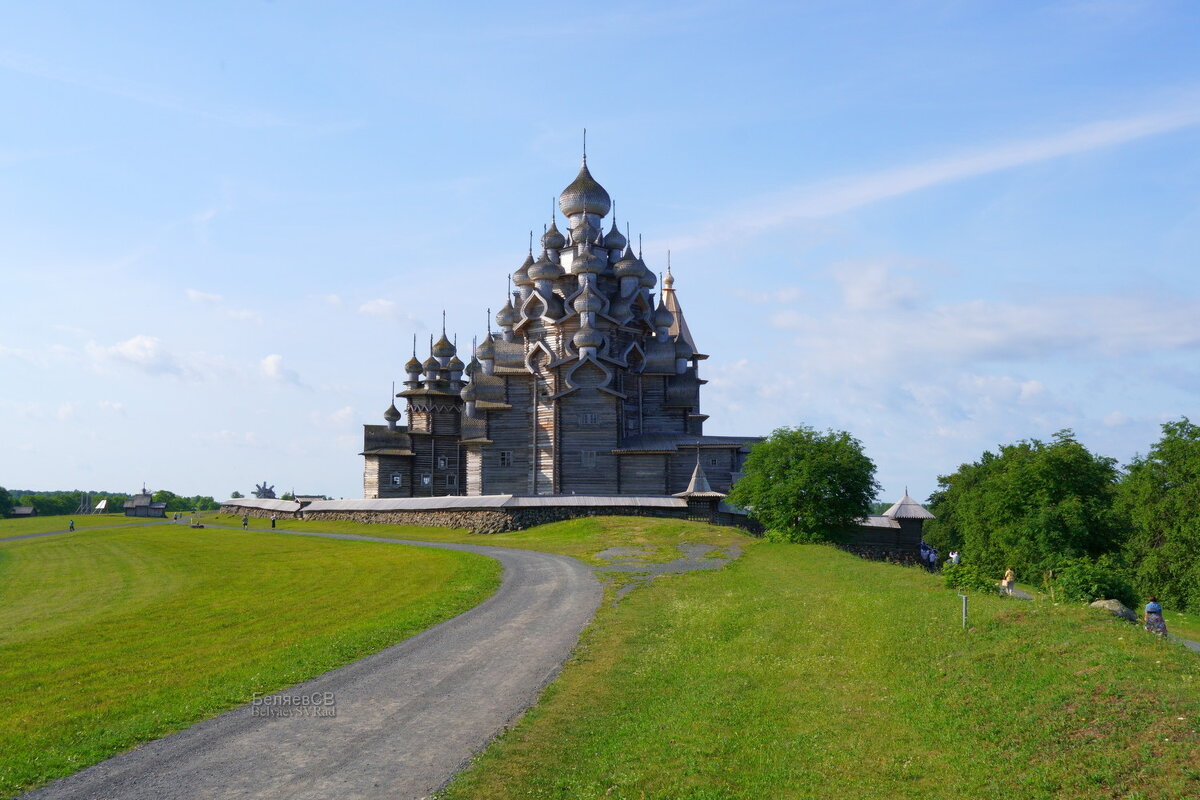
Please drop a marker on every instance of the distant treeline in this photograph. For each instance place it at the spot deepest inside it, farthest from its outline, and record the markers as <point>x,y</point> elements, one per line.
<point>68,502</point>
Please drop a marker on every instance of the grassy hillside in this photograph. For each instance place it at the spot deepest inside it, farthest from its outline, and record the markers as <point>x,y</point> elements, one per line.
<point>21,527</point>
<point>110,638</point>
<point>802,672</point>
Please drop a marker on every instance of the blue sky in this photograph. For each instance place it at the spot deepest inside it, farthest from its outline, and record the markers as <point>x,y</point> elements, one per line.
<point>941,226</point>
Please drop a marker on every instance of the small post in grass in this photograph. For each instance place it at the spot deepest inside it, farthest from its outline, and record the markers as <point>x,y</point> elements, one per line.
<point>964,599</point>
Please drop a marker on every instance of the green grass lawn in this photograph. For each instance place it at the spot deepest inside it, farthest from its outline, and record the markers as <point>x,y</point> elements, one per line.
<point>803,672</point>
<point>111,638</point>
<point>20,527</point>
<point>581,538</point>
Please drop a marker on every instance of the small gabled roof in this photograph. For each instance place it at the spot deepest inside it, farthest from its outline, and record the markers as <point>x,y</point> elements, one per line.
<point>907,508</point>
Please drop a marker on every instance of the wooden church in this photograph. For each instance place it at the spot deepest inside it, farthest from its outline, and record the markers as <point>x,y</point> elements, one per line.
<point>591,386</point>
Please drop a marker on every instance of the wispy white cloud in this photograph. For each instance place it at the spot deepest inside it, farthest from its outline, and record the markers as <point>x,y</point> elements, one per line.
<point>197,296</point>
<point>827,199</point>
<point>145,353</point>
<point>272,368</point>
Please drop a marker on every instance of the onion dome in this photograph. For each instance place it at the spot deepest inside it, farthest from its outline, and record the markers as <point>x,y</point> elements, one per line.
<point>505,317</point>
<point>486,350</point>
<point>584,231</point>
<point>552,239</point>
<point>474,368</point>
<point>683,349</point>
<point>648,279</point>
<point>392,413</point>
<point>521,276</point>
<point>589,301</point>
<point>615,240</point>
<point>586,262</point>
<point>588,337</point>
<point>442,347</point>
<point>668,279</point>
<point>544,269</point>
<point>413,366</point>
<point>662,316</point>
<point>468,393</point>
<point>584,195</point>
<point>628,266</point>
<point>431,366</point>
<point>455,364</point>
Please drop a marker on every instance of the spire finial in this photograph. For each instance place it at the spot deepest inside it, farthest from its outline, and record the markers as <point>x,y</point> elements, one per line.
<point>639,245</point>
<point>443,323</point>
<point>585,145</point>
<point>414,345</point>
<point>475,343</point>
<point>489,321</point>
<point>531,243</point>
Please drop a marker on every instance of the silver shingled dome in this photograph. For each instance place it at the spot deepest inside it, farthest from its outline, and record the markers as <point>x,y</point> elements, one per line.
<point>584,195</point>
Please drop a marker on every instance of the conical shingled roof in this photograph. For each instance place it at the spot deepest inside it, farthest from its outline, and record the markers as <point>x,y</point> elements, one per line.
<point>699,485</point>
<point>907,508</point>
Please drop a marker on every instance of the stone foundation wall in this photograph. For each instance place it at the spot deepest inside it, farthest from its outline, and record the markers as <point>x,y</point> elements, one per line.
<point>264,513</point>
<point>893,555</point>
<point>492,520</point>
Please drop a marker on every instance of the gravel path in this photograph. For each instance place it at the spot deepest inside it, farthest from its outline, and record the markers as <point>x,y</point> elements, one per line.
<point>407,718</point>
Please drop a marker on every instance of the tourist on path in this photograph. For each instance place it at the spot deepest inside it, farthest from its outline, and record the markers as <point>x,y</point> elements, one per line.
<point>71,526</point>
<point>1154,618</point>
<point>272,520</point>
<point>245,521</point>
<point>1010,578</point>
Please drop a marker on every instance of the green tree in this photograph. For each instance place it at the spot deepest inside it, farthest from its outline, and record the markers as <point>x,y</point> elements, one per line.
<point>6,503</point>
<point>235,494</point>
<point>1032,506</point>
<point>1160,494</point>
<point>806,486</point>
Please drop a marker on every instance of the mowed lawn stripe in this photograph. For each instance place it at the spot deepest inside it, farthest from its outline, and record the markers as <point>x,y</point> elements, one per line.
<point>803,672</point>
<point>111,638</point>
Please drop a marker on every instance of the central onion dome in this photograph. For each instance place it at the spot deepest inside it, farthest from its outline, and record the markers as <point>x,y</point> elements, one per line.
<point>442,348</point>
<point>584,195</point>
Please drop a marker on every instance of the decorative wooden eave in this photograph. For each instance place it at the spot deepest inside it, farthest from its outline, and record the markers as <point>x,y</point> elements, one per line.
<point>386,451</point>
<point>476,442</point>
<point>488,405</point>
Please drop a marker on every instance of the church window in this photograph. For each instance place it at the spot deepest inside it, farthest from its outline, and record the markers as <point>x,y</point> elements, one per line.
<point>589,418</point>
<point>588,458</point>
<point>452,480</point>
<point>397,480</point>
<point>441,462</point>
<point>712,461</point>
<point>426,479</point>
<point>506,458</point>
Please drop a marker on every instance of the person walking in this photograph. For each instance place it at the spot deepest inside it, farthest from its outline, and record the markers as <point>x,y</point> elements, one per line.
<point>245,521</point>
<point>1153,617</point>
<point>1006,585</point>
<point>71,525</point>
<point>272,522</point>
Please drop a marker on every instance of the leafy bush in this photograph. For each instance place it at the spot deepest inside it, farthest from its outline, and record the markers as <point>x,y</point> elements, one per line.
<point>1085,580</point>
<point>968,578</point>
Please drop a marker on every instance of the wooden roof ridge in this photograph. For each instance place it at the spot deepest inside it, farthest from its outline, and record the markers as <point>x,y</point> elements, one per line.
<point>907,508</point>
